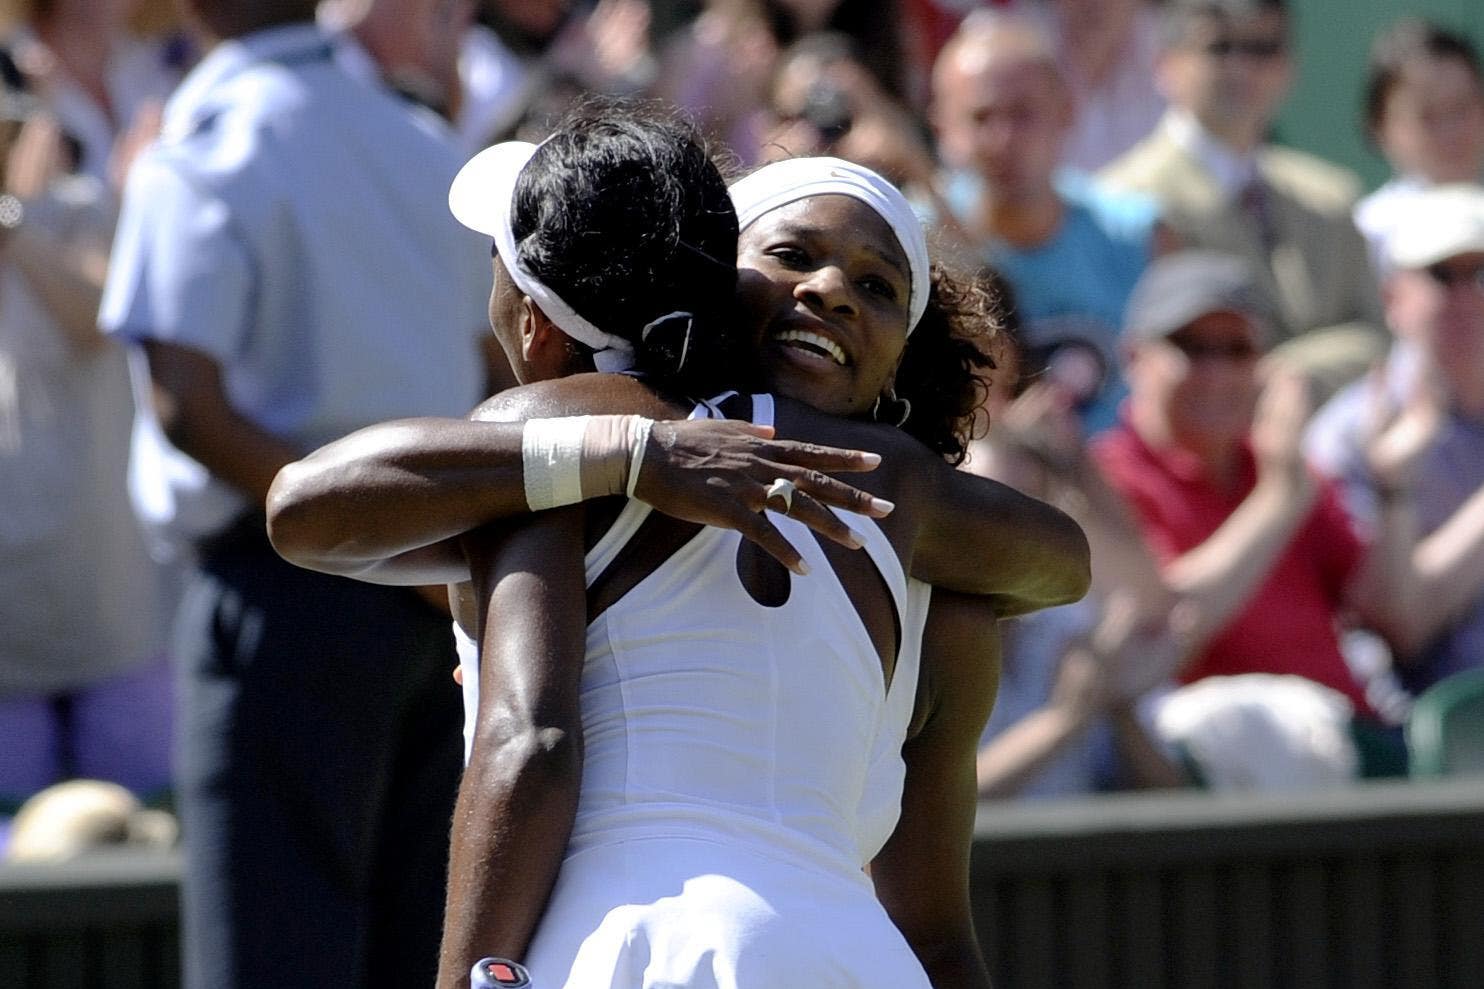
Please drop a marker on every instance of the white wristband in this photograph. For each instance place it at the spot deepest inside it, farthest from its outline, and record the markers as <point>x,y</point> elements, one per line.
<point>551,460</point>
<point>642,426</point>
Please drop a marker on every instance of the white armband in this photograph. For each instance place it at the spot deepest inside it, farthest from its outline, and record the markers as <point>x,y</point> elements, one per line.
<point>567,460</point>
<point>636,460</point>
<point>551,461</point>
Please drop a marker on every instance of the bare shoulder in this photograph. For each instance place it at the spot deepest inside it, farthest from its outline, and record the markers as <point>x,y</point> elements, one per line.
<point>909,473</point>
<point>580,394</point>
<point>798,421</point>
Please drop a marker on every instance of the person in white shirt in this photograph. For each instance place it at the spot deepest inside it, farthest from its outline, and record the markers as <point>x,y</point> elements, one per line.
<point>1424,111</point>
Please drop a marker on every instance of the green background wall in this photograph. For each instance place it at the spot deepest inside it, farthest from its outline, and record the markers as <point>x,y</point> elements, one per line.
<point>1323,113</point>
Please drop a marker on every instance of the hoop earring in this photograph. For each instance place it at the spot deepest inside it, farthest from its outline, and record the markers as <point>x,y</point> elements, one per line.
<point>893,402</point>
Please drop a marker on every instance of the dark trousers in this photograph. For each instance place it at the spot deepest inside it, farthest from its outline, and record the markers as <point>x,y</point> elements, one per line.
<point>319,757</point>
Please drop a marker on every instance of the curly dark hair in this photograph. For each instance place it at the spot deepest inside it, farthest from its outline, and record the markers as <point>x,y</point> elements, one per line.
<point>622,213</point>
<point>943,368</point>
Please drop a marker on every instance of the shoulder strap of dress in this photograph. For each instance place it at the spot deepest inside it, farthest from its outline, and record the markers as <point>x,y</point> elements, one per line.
<point>883,556</point>
<point>764,412</point>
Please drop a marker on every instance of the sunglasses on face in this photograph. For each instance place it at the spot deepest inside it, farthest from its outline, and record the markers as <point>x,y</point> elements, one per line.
<point>1450,278</point>
<point>1236,351</point>
<point>1260,49</point>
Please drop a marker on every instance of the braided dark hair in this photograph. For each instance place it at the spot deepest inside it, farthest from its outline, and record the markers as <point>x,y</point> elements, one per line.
<point>622,213</point>
<point>943,368</point>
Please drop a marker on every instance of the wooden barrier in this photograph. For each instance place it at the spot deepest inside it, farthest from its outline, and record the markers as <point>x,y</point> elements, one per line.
<point>110,919</point>
<point>1376,887</point>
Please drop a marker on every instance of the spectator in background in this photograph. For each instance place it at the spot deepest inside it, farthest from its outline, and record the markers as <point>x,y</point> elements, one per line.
<point>874,25</point>
<point>275,286</point>
<point>98,77</point>
<point>1258,548</point>
<point>1070,251</point>
<point>1066,720</point>
<point>1424,111</point>
<point>1432,385</point>
<point>520,51</point>
<point>824,101</point>
<point>1108,50</point>
<point>84,679</point>
<point>1225,69</point>
<point>410,45</point>
<point>718,69</point>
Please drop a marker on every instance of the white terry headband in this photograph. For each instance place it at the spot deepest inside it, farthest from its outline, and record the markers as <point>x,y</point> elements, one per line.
<point>482,198</point>
<point>792,179</point>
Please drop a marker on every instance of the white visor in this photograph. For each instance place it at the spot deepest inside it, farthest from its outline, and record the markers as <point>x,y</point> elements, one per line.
<point>481,198</point>
<point>792,179</point>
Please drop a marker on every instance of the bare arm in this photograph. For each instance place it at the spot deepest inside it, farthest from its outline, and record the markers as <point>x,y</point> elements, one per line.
<point>1217,577</point>
<point>192,406</point>
<point>1410,590</point>
<point>68,279</point>
<point>1016,755</point>
<point>981,537</point>
<point>1450,568</point>
<point>922,874</point>
<point>519,793</point>
<point>1102,675</point>
<point>386,502</point>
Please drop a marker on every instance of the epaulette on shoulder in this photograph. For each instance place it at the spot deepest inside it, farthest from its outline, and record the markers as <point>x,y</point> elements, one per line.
<point>1319,184</point>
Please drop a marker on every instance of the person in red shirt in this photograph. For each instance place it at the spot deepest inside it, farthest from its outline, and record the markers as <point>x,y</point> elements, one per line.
<point>1207,456</point>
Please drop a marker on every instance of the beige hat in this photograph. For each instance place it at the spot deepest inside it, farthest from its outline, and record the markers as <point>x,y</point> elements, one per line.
<point>1179,288</point>
<point>77,816</point>
<point>1439,223</point>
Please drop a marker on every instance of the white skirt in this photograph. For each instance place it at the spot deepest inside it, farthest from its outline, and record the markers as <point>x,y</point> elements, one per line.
<point>671,912</point>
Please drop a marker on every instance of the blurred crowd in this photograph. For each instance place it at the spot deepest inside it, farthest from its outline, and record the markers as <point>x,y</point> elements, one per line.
<point>1260,391</point>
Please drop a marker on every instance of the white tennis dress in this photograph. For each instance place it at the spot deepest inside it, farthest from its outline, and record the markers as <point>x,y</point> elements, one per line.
<point>742,763</point>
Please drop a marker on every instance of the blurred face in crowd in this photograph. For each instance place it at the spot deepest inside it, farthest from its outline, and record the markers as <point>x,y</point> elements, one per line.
<point>828,285</point>
<point>1231,74</point>
<point>537,18</point>
<point>1200,383</point>
<point>1432,123</point>
<point>1441,309</point>
<point>1081,19</point>
<point>809,15</point>
<point>413,36</point>
<point>1004,115</point>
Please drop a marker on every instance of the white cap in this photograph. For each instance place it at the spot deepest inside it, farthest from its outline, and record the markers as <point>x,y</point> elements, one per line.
<point>1439,223</point>
<point>481,198</point>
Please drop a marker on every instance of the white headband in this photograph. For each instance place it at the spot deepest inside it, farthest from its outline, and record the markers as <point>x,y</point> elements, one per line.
<point>792,179</point>
<point>481,198</point>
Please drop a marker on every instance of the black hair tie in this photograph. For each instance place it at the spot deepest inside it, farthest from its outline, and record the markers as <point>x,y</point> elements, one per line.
<point>666,329</point>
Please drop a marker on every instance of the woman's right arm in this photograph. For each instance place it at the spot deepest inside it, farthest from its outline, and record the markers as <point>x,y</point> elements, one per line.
<point>388,502</point>
<point>922,874</point>
<point>518,797</point>
<point>978,536</point>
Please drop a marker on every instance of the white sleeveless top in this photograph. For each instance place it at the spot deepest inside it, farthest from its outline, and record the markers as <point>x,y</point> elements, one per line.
<point>741,764</point>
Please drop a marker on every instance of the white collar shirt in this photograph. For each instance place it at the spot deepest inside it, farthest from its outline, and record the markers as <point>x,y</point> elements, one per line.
<point>292,225</point>
<point>1231,170</point>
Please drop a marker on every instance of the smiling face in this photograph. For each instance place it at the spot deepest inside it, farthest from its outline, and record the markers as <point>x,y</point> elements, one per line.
<point>827,284</point>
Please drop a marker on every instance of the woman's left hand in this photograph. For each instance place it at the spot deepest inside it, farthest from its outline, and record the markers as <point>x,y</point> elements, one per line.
<point>717,473</point>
